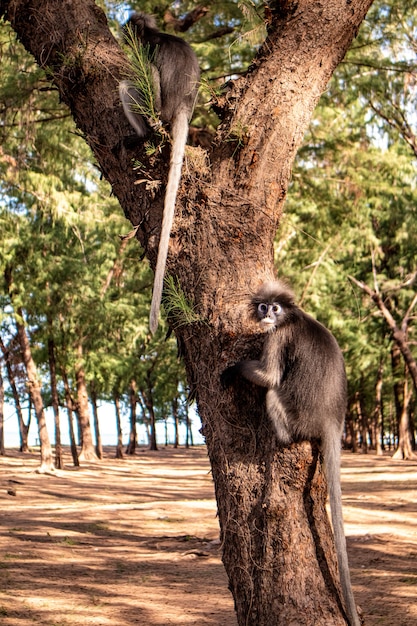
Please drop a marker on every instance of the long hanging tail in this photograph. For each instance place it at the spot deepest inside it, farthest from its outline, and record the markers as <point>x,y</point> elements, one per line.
<point>179,140</point>
<point>331,453</point>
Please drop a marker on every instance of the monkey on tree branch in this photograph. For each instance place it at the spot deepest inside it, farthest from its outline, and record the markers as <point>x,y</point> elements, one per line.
<point>175,75</point>
<point>276,538</point>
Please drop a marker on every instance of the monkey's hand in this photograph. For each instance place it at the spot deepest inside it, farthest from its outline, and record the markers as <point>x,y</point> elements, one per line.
<point>228,376</point>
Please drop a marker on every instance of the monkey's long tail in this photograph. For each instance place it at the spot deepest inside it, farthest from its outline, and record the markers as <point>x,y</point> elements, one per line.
<point>331,453</point>
<point>179,140</point>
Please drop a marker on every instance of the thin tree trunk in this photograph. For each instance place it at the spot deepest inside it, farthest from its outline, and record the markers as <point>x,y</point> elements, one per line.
<point>34,387</point>
<point>148,401</point>
<point>2,448</point>
<point>187,426</point>
<point>55,403</point>
<point>176,420</point>
<point>378,411</point>
<point>362,422</point>
<point>145,419</point>
<point>70,403</point>
<point>404,450</point>
<point>351,430</point>
<point>87,446</point>
<point>398,389</point>
<point>133,436</point>
<point>99,445</point>
<point>119,447</point>
<point>23,428</point>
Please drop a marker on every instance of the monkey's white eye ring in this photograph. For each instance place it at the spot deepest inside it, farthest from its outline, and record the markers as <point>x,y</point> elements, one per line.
<point>262,308</point>
<point>277,308</point>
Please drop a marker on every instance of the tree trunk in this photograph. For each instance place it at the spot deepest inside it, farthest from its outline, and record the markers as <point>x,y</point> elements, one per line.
<point>187,427</point>
<point>174,405</point>
<point>70,404</point>
<point>83,411</point>
<point>119,447</point>
<point>55,403</point>
<point>404,450</point>
<point>133,436</point>
<point>23,428</point>
<point>2,449</point>
<point>276,538</point>
<point>378,412</point>
<point>362,421</point>
<point>99,445</point>
<point>34,387</point>
<point>147,395</point>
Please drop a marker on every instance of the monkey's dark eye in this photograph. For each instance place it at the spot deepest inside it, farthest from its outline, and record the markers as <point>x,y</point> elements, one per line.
<point>262,308</point>
<point>277,308</point>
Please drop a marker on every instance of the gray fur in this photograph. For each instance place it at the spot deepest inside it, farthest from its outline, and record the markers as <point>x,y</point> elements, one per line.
<point>178,75</point>
<point>303,369</point>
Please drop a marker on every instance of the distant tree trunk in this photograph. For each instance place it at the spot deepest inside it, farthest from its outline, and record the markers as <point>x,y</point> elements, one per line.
<point>133,436</point>
<point>55,403</point>
<point>166,431</point>
<point>34,387</point>
<point>174,405</point>
<point>99,446</point>
<point>378,419</point>
<point>402,398</point>
<point>404,450</point>
<point>351,425</point>
<point>2,449</point>
<point>23,428</point>
<point>147,396</point>
<point>119,447</point>
<point>413,426</point>
<point>70,403</point>
<point>363,422</point>
<point>87,447</point>
<point>187,426</point>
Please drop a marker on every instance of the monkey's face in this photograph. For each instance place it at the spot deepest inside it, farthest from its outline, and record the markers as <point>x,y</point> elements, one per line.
<point>268,315</point>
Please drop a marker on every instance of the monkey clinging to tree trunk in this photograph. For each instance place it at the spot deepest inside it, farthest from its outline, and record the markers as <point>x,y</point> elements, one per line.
<point>303,370</point>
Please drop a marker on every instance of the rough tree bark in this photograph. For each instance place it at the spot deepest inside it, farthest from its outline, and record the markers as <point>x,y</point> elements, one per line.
<point>277,546</point>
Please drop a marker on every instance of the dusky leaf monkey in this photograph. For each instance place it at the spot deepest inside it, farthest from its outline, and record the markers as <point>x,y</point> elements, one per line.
<point>175,74</point>
<point>303,370</point>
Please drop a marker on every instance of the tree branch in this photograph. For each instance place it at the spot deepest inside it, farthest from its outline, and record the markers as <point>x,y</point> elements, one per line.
<point>398,332</point>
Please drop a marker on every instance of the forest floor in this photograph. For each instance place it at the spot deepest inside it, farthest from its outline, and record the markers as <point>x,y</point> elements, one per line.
<point>135,541</point>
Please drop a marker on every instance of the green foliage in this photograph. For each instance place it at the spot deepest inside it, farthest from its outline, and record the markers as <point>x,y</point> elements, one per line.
<point>351,209</point>
<point>176,304</point>
<point>142,77</point>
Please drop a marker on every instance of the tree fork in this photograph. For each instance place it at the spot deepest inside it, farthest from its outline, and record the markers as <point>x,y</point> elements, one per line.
<point>276,536</point>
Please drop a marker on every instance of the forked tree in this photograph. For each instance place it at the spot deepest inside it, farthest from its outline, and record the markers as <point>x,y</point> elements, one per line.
<point>277,542</point>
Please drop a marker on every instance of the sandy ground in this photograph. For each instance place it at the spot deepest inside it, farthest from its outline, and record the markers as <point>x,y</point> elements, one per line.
<point>134,541</point>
